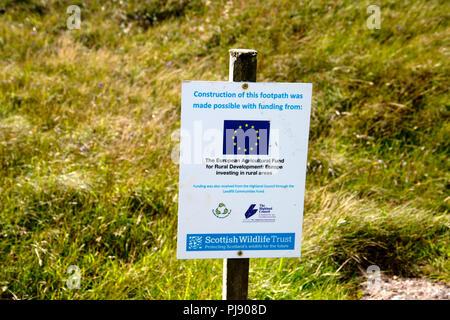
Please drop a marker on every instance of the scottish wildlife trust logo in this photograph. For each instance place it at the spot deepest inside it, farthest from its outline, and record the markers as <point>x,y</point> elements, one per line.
<point>221,211</point>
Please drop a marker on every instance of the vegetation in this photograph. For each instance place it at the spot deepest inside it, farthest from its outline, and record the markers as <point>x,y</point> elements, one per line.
<point>86,118</point>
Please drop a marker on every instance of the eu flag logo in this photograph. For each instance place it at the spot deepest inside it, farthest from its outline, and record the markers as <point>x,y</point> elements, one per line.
<point>249,137</point>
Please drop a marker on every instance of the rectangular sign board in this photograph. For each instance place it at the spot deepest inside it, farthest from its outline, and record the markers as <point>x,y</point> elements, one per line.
<point>243,153</point>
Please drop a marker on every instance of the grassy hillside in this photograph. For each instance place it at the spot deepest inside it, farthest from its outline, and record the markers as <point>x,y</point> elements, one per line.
<point>86,118</point>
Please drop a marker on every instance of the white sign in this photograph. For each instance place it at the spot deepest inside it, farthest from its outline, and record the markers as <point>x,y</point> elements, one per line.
<point>243,152</point>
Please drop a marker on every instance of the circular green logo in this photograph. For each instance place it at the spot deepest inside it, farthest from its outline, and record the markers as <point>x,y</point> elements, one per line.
<point>221,211</point>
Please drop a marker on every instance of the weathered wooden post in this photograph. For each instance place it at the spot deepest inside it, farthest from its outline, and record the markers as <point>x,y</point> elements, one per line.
<point>243,64</point>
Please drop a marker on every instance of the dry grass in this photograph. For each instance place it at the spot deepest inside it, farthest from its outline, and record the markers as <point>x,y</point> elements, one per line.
<point>86,118</point>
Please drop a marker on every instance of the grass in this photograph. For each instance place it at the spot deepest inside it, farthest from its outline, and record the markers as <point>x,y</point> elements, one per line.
<point>86,118</point>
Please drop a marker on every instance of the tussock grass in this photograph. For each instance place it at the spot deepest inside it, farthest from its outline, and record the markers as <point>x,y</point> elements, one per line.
<point>86,119</point>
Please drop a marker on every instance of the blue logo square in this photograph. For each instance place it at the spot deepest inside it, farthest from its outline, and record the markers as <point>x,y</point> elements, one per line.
<point>246,137</point>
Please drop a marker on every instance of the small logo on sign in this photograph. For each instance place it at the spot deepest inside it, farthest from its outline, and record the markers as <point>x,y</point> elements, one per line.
<point>250,211</point>
<point>246,137</point>
<point>262,213</point>
<point>221,211</point>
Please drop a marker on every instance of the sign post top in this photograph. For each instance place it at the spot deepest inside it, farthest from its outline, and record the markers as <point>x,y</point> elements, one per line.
<point>237,52</point>
<point>242,65</point>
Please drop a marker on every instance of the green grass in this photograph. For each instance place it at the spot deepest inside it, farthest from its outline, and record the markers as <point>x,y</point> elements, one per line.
<point>86,118</point>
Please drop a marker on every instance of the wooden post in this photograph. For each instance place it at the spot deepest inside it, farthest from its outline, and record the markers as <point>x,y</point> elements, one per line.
<point>242,65</point>
<point>235,271</point>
